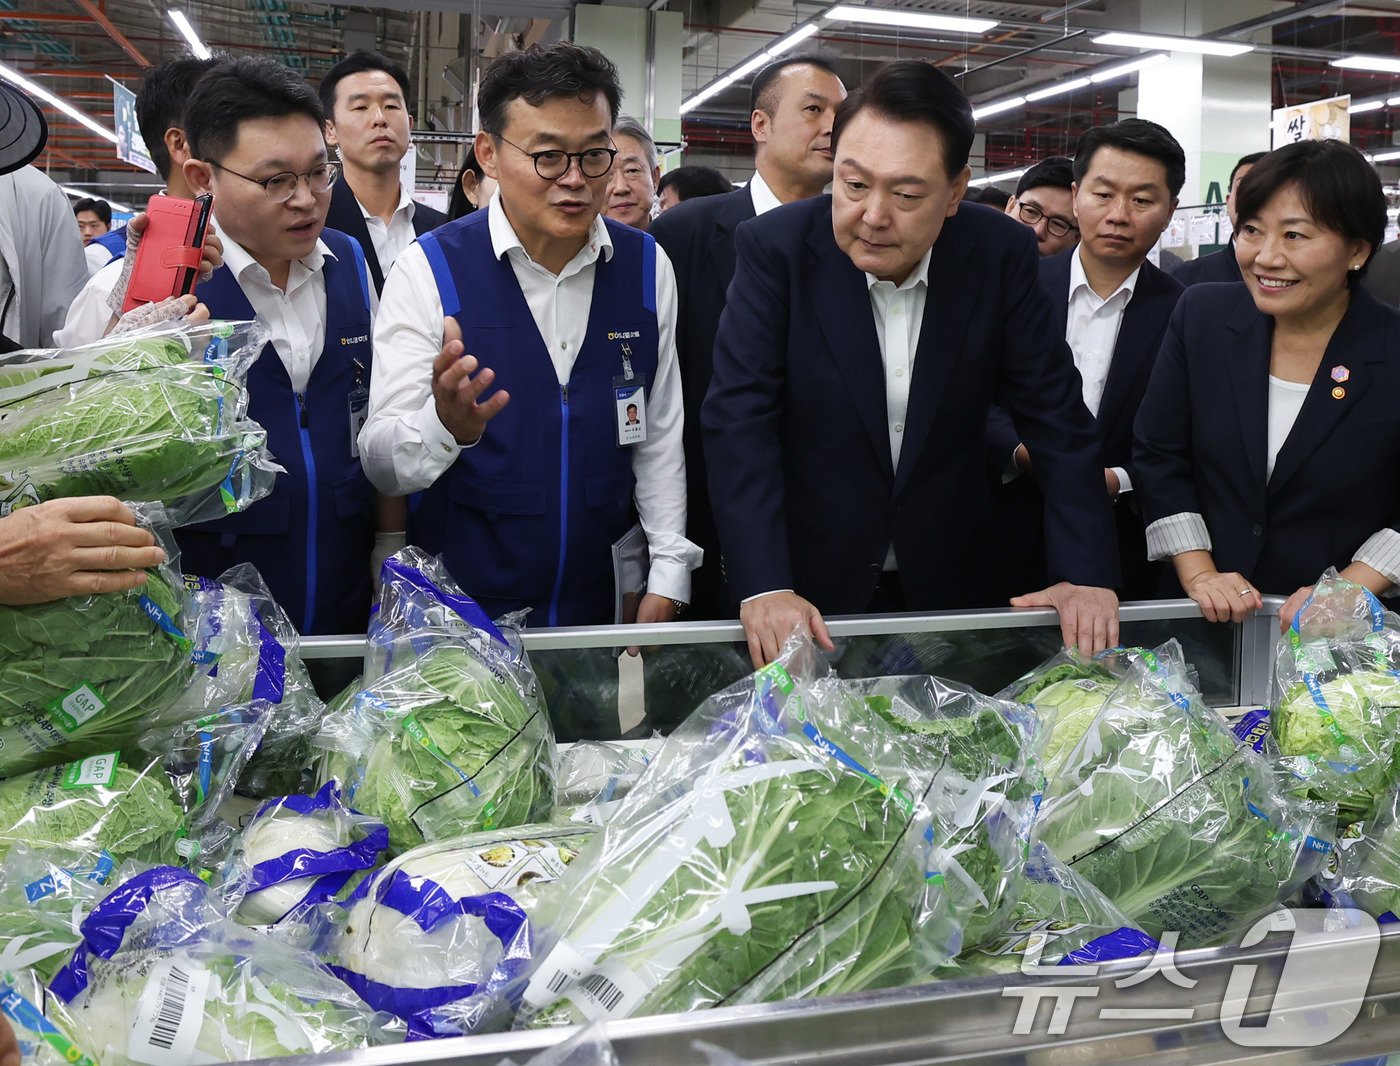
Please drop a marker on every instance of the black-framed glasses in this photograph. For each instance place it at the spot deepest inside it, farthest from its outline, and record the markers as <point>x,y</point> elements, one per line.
<point>282,187</point>
<point>553,164</point>
<point>1030,215</point>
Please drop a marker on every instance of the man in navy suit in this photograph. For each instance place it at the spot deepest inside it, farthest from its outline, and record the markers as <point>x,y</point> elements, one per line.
<point>865,336</point>
<point>1111,306</point>
<point>1221,265</point>
<point>793,102</point>
<point>365,97</point>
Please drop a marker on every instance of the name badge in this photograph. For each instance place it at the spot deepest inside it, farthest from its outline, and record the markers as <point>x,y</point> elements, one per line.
<point>358,406</point>
<point>630,397</point>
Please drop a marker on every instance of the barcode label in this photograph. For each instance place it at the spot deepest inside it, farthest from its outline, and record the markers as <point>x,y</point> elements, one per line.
<point>610,991</point>
<point>561,968</point>
<point>607,994</point>
<point>169,1014</point>
<point>558,982</point>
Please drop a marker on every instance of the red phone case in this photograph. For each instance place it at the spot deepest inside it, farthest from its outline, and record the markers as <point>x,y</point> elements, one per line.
<point>168,253</point>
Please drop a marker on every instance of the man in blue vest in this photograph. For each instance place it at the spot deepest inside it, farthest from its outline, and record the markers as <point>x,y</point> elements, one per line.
<point>572,317</point>
<point>254,130</point>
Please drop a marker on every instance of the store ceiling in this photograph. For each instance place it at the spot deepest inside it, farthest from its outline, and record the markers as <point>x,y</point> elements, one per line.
<point>73,46</point>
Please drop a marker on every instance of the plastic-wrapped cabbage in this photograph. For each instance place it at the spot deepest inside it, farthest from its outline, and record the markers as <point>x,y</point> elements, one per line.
<point>1181,828</point>
<point>993,745</point>
<point>442,934</point>
<point>84,674</point>
<point>165,430</point>
<point>774,848</point>
<point>594,775</point>
<point>43,1027</point>
<point>163,977</point>
<point>1061,920</point>
<point>1365,873</point>
<point>1337,719</point>
<point>301,851</point>
<point>1067,692</point>
<point>43,897</point>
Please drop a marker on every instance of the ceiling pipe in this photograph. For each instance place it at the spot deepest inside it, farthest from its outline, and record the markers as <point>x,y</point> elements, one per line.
<point>100,17</point>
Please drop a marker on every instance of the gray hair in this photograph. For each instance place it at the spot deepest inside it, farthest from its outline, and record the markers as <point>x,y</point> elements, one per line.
<point>630,127</point>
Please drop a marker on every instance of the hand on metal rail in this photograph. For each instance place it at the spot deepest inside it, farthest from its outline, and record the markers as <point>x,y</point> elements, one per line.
<point>1088,615</point>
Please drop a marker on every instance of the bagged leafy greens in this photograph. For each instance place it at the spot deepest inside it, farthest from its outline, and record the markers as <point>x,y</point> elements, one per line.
<point>162,976</point>
<point>783,843</point>
<point>161,429</point>
<point>1337,719</point>
<point>43,897</point>
<point>83,674</point>
<point>43,1027</point>
<point>594,775</point>
<point>1180,827</point>
<point>1365,871</point>
<point>443,933</point>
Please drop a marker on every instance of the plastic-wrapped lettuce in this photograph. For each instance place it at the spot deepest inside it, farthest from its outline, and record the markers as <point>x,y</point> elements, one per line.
<point>1060,920</point>
<point>1365,871</point>
<point>1337,719</point>
<point>298,852</point>
<point>594,775</point>
<point>1179,826</point>
<point>779,845</point>
<point>441,935</point>
<point>43,897</point>
<point>162,976</point>
<point>85,674</point>
<point>42,1026</point>
<point>160,429</point>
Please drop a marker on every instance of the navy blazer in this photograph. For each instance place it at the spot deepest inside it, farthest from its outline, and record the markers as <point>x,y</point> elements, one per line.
<point>1020,503</point>
<point>1203,432</point>
<point>346,216</point>
<point>698,237</point>
<point>1218,266</point>
<point>804,490</point>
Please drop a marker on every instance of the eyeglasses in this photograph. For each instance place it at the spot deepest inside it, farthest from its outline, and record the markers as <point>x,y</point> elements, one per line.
<point>553,164</point>
<point>282,187</point>
<point>1030,215</point>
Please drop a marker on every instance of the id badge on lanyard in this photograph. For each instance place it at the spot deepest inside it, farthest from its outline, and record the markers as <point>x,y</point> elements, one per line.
<point>630,399</point>
<point>358,409</point>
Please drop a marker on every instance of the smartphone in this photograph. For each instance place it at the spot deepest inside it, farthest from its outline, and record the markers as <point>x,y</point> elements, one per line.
<point>169,255</point>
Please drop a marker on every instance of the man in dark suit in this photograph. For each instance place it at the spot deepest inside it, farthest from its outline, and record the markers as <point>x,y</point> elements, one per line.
<point>865,337</point>
<point>365,97</point>
<point>1221,265</point>
<point>1111,306</point>
<point>1382,277</point>
<point>793,102</point>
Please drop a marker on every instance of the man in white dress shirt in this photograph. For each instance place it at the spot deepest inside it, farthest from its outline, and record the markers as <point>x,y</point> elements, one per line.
<point>508,347</point>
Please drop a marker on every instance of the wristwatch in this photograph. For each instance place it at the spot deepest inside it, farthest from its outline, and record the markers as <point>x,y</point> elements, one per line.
<point>679,606</point>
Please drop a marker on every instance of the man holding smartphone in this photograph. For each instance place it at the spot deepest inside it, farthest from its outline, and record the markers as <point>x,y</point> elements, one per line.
<point>254,130</point>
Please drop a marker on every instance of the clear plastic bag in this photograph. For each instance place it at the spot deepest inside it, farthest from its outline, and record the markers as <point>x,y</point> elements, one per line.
<point>166,427</point>
<point>162,973</point>
<point>1336,717</point>
<point>442,935</point>
<point>1365,868</point>
<point>777,846</point>
<point>84,674</point>
<point>44,895</point>
<point>1180,826</point>
<point>594,776</point>
<point>588,1047</point>
<point>42,1026</point>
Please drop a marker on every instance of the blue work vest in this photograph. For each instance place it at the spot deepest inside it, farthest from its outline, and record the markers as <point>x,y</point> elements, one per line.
<point>528,517</point>
<point>311,538</point>
<point>114,242</point>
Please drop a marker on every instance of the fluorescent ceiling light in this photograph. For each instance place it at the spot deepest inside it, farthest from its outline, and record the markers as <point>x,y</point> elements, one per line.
<point>917,20</point>
<point>79,194</point>
<point>1057,90</point>
<point>49,98</point>
<point>1369,105</point>
<point>1381,63</point>
<point>748,66</point>
<point>1005,175</point>
<point>1385,157</point>
<point>182,24</point>
<point>1124,69</point>
<point>796,37</point>
<point>996,107</point>
<point>1200,45</point>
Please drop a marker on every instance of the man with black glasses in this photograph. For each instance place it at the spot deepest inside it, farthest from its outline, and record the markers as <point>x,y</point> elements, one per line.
<point>509,348</point>
<point>255,137</point>
<point>1044,202</point>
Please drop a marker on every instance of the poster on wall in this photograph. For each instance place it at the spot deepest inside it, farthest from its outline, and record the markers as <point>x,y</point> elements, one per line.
<point>130,146</point>
<point>1321,120</point>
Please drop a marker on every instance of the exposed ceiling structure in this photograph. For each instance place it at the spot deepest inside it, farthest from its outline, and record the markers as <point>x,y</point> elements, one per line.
<point>72,48</point>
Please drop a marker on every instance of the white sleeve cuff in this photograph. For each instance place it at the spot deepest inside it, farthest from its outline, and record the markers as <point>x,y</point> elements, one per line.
<point>669,578</point>
<point>1382,553</point>
<point>1184,532</point>
<point>1125,483</point>
<point>760,595</point>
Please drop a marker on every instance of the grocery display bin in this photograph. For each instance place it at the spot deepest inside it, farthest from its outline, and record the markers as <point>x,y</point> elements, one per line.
<point>1119,1014</point>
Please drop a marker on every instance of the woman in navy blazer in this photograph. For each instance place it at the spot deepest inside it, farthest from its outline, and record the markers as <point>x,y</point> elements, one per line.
<point>1268,444</point>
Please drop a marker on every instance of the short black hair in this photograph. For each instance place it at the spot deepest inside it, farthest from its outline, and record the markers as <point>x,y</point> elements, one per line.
<point>693,181</point>
<point>459,205</point>
<point>239,89</point>
<point>910,90</point>
<point>1055,171</point>
<point>101,208</point>
<point>1339,186</point>
<point>160,103</point>
<point>1139,136</point>
<point>546,72</point>
<point>1243,161</point>
<point>992,197</point>
<point>763,94</point>
<point>358,63</point>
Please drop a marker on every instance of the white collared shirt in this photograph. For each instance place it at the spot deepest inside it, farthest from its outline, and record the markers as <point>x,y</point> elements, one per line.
<point>296,316</point>
<point>89,315</point>
<point>390,239</point>
<point>404,445</point>
<point>1091,329</point>
<point>762,196</point>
